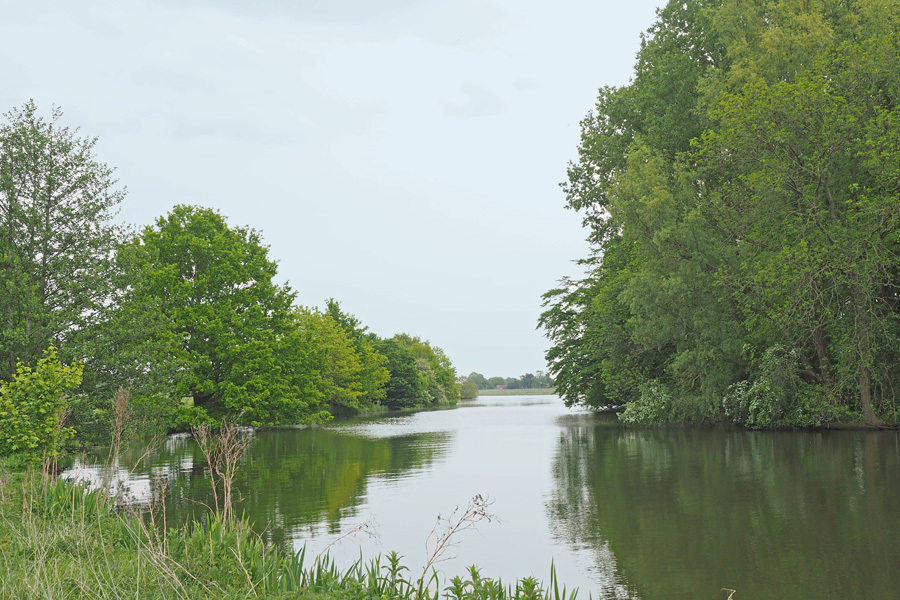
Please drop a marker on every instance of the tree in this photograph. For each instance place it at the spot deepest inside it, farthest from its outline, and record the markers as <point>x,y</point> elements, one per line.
<point>56,235</point>
<point>542,379</point>
<point>599,356</point>
<point>479,380</point>
<point>740,196</point>
<point>493,382</point>
<point>468,389</point>
<point>214,285</point>
<point>374,373</point>
<point>331,359</point>
<point>407,386</point>
<point>802,152</point>
<point>434,365</point>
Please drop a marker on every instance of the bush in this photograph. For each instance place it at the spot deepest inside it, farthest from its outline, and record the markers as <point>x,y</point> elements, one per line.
<point>653,407</point>
<point>768,398</point>
<point>33,408</point>
<point>778,397</point>
<point>92,418</point>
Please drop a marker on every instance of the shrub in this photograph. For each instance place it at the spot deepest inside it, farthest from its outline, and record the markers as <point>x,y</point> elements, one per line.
<point>654,406</point>
<point>33,408</point>
<point>776,396</point>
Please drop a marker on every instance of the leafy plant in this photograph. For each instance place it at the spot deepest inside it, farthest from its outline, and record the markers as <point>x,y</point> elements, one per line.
<point>33,408</point>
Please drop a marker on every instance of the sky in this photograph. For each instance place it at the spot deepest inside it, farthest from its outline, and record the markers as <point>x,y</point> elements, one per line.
<point>401,156</point>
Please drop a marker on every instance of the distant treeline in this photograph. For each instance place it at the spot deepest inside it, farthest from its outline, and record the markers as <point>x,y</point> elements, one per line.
<point>528,381</point>
<point>181,320</point>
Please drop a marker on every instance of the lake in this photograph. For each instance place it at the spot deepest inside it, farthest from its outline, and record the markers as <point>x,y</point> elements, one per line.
<point>622,513</point>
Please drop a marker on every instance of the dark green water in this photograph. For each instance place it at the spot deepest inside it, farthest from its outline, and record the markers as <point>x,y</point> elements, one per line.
<point>650,514</point>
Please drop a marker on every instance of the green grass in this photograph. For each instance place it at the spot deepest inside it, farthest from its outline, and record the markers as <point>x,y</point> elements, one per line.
<point>60,540</point>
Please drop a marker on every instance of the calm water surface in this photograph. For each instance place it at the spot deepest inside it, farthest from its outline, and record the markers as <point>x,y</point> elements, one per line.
<point>644,514</point>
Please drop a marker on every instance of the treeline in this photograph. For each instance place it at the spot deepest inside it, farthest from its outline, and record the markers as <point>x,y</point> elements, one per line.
<point>182,319</point>
<point>528,381</point>
<point>742,197</point>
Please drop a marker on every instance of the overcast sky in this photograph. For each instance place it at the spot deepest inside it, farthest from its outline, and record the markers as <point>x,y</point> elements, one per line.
<point>401,156</point>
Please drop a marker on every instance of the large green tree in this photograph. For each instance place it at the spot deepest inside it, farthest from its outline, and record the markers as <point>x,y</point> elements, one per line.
<point>57,238</point>
<point>604,345</point>
<point>435,368</point>
<point>213,284</point>
<point>331,359</point>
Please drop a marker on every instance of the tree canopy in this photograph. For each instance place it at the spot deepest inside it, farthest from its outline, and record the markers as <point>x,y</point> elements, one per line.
<point>421,374</point>
<point>57,238</point>
<point>213,284</point>
<point>741,198</point>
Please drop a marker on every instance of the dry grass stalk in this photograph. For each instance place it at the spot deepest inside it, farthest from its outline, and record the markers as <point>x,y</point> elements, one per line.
<point>121,416</point>
<point>156,550</point>
<point>223,451</point>
<point>365,528</point>
<point>4,482</point>
<point>441,537</point>
<point>49,459</point>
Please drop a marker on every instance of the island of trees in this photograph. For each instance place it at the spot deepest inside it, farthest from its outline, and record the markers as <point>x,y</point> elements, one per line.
<point>742,198</point>
<point>182,319</point>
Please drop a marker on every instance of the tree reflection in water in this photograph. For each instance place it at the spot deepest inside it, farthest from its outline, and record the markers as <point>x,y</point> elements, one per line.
<point>682,513</point>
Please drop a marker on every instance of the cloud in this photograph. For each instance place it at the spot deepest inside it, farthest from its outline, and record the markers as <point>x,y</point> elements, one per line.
<point>480,102</point>
<point>525,84</point>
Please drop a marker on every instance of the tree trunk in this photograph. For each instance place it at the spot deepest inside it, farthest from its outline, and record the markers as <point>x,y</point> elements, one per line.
<point>865,384</point>
<point>821,343</point>
<point>865,398</point>
<point>865,374</point>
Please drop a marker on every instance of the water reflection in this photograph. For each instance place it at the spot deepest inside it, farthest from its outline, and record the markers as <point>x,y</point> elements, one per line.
<point>622,513</point>
<point>296,483</point>
<point>683,513</point>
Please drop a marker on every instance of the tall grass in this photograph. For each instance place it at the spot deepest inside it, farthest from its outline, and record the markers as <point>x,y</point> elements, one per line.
<point>61,540</point>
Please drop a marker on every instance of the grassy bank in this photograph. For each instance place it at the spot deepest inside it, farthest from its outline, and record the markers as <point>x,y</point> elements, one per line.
<point>518,392</point>
<point>59,540</point>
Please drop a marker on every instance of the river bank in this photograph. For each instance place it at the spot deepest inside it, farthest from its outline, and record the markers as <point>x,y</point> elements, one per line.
<point>58,539</point>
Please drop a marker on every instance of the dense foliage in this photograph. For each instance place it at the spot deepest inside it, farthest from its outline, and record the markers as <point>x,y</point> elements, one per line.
<point>741,195</point>
<point>56,236</point>
<point>184,317</point>
<point>420,373</point>
<point>33,408</point>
